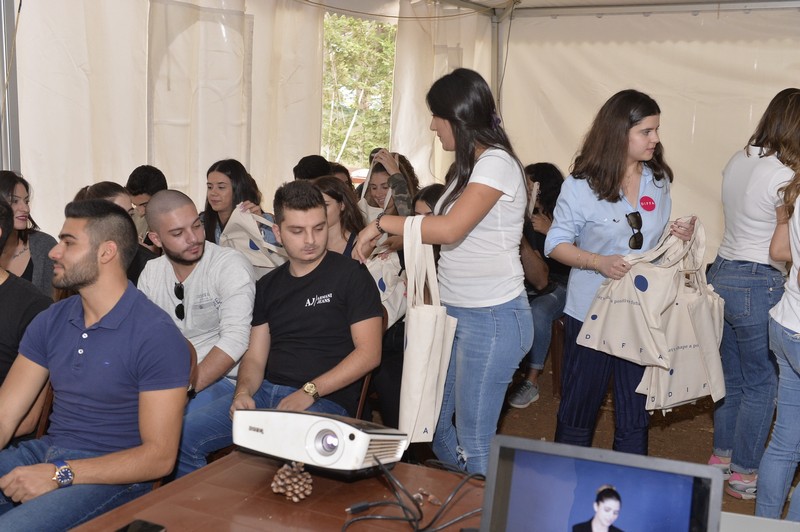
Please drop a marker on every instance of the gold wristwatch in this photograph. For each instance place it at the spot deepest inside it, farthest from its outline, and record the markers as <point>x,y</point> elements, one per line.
<point>311,389</point>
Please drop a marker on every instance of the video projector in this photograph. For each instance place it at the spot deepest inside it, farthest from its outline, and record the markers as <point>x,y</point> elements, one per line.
<point>323,441</point>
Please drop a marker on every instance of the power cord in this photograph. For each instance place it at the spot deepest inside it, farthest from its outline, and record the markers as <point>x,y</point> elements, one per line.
<point>449,500</point>
<point>413,514</point>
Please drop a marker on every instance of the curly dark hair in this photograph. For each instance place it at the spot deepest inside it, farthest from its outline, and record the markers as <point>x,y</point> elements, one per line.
<point>550,180</point>
<point>8,182</point>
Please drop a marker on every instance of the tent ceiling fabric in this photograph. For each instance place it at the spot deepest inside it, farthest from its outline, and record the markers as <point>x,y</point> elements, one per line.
<point>554,7</point>
<point>522,4</point>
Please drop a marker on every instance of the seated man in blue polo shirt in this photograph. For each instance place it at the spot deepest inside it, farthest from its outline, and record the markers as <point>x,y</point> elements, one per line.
<point>119,369</point>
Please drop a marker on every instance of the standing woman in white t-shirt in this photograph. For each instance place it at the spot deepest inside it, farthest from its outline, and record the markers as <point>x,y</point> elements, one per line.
<point>751,284</point>
<point>478,222</point>
<point>780,461</point>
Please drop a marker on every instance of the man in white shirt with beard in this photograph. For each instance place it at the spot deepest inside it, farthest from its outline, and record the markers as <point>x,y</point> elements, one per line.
<point>208,291</point>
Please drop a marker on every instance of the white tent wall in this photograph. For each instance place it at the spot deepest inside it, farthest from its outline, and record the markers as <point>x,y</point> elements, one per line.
<point>712,75</point>
<point>88,114</point>
<point>83,65</point>
<point>432,39</point>
<point>286,123</point>
<point>199,90</point>
<point>106,86</point>
<point>81,75</point>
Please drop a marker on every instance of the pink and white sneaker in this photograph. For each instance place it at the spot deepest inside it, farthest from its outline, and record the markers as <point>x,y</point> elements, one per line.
<point>721,464</point>
<point>741,488</point>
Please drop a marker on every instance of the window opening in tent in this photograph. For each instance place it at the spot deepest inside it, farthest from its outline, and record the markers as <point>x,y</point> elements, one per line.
<point>358,72</point>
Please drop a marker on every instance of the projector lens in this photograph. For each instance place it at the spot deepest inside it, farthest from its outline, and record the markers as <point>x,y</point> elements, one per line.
<point>327,442</point>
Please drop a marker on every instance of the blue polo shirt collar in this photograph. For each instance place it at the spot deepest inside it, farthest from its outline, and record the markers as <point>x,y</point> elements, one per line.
<point>115,316</point>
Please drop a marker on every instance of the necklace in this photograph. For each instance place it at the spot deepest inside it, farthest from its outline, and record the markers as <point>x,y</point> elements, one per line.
<point>20,252</point>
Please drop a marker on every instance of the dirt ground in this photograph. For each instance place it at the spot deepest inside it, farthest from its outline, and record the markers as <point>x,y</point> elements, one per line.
<point>683,434</point>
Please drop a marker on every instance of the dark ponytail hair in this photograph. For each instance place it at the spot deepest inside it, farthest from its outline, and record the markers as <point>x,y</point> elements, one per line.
<point>606,492</point>
<point>464,99</point>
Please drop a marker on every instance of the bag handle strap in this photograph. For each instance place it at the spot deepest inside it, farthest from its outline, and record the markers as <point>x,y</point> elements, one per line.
<point>366,183</point>
<point>420,266</point>
<point>694,265</point>
<point>263,243</point>
<point>410,252</point>
<point>669,250</point>
<point>366,186</point>
<point>431,281</point>
<point>415,268</point>
<point>261,219</point>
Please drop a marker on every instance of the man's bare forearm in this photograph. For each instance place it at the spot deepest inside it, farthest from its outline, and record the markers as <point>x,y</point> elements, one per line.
<point>214,366</point>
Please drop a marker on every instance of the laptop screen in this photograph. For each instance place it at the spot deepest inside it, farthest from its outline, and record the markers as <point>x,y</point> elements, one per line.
<point>544,486</point>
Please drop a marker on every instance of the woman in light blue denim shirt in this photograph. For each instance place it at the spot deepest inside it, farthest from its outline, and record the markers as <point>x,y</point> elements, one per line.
<point>616,201</point>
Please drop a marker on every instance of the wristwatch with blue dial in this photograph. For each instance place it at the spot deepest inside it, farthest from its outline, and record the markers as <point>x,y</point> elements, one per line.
<point>64,475</point>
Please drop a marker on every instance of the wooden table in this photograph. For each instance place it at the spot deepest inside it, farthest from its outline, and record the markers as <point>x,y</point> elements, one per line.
<point>234,493</point>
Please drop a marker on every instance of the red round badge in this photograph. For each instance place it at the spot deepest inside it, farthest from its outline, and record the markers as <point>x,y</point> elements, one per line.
<point>647,203</point>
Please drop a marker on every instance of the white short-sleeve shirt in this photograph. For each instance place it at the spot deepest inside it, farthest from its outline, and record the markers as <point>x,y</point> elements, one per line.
<point>484,268</point>
<point>749,197</point>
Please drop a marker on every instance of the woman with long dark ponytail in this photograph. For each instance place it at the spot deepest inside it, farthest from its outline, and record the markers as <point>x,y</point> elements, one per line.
<point>478,222</point>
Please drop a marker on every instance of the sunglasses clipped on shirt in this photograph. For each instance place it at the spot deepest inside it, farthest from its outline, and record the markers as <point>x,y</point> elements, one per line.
<point>635,221</point>
<point>179,310</point>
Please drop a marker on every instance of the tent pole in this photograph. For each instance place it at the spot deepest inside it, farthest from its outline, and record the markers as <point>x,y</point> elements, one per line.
<point>498,57</point>
<point>642,9</point>
<point>9,128</point>
<point>496,61</point>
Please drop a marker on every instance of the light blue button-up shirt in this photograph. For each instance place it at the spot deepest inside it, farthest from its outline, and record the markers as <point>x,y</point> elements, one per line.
<point>599,226</point>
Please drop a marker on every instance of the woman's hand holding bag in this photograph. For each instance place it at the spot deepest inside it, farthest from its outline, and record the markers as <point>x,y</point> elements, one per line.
<point>625,317</point>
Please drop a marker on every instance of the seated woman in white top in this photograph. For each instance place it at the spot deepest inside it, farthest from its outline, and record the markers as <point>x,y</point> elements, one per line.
<point>230,185</point>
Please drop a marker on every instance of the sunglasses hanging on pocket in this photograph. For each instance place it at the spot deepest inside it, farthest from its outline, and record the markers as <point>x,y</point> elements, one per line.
<point>635,222</point>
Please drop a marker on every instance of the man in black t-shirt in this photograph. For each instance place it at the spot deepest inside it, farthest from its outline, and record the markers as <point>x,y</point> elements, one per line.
<point>20,302</point>
<point>316,331</point>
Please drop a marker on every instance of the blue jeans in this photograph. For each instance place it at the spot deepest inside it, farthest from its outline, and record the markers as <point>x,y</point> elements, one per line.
<point>545,308</point>
<point>222,388</point>
<point>209,428</point>
<point>782,456</point>
<point>488,346</point>
<point>743,417</point>
<point>64,508</point>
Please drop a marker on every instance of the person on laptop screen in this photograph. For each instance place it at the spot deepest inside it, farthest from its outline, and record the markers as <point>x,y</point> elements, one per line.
<point>606,511</point>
